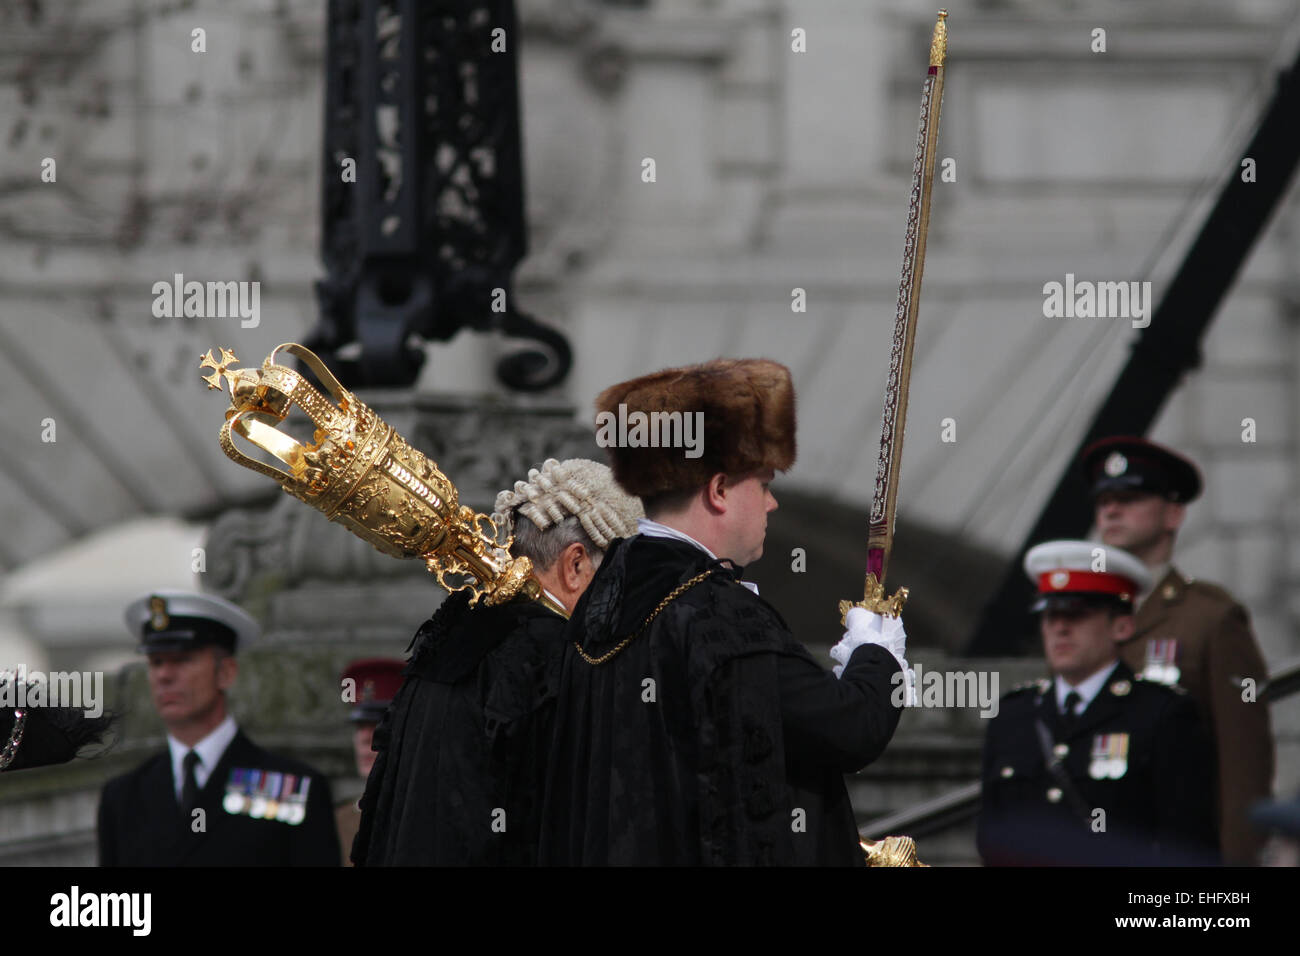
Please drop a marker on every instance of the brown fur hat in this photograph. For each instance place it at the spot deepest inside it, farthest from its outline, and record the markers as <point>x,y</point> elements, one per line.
<point>749,423</point>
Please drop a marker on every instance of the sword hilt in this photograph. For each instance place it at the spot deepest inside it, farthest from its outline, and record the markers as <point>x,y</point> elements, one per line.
<point>874,600</point>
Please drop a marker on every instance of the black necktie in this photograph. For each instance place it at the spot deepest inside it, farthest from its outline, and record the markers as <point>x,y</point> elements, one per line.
<point>190,785</point>
<point>1068,712</point>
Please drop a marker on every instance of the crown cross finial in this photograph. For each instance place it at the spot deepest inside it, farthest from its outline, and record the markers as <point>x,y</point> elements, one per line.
<point>219,367</point>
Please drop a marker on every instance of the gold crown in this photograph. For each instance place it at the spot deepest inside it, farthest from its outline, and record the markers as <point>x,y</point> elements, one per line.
<point>359,472</point>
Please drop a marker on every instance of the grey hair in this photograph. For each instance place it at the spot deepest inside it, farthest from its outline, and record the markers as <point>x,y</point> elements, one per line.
<point>544,547</point>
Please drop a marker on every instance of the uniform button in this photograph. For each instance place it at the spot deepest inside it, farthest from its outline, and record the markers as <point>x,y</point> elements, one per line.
<point>1008,772</point>
<point>1054,795</point>
<point>1060,750</point>
<point>1169,593</point>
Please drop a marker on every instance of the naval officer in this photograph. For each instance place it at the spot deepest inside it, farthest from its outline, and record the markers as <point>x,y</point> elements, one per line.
<point>213,797</point>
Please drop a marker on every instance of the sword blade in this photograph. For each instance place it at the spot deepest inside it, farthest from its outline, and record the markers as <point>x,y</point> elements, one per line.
<point>893,419</point>
<point>893,416</point>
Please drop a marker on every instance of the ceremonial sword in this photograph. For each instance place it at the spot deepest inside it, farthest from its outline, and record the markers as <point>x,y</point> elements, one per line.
<point>893,418</point>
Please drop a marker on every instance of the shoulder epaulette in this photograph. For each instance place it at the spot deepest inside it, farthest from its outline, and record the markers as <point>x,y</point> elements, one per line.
<point>1176,688</point>
<point>1213,591</point>
<point>1039,686</point>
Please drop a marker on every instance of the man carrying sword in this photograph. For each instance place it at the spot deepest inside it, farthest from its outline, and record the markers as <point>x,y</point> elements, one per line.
<point>692,727</point>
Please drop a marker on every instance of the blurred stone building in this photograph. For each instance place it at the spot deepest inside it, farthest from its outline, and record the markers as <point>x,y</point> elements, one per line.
<point>779,175</point>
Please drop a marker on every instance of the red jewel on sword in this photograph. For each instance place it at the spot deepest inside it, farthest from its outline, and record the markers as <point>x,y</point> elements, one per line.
<point>893,419</point>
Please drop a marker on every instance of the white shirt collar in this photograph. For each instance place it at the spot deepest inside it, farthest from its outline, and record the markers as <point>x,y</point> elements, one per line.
<point>558,602</point>
<point>209,749</point>
<point>1087,689</point>
<point>653,529</point>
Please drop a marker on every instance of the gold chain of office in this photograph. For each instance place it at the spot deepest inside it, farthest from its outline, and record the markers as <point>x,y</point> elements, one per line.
<point>672,596</point>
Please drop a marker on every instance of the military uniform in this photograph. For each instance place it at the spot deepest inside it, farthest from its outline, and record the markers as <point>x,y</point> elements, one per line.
<point>1137,752</point>
<point>1096,766</point>
<point>1194,633</point>
<point>347,819</point>
<point>259,809</point>
<point>220,800</point>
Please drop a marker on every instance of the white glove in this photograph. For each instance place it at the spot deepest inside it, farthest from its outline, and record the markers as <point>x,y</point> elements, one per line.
<point>867,627</point>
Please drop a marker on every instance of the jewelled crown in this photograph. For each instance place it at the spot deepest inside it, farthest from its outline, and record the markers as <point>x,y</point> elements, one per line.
<point>361,473</point>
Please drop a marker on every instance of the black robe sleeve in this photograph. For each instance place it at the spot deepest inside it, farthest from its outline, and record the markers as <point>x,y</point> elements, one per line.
<point>778,733</point>
<point>845,721</point>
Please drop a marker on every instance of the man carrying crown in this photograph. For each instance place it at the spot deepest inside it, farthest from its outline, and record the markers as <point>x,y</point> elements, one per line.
<point>461,752</point>
<point>692,727</point>
<point>1095,766</point>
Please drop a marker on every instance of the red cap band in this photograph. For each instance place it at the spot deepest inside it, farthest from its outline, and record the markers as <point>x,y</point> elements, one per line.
<point>1063,581</point>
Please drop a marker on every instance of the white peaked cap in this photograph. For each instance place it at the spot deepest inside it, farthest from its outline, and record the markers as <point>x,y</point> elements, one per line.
<point>1085,567</point>
<point>153,618</point>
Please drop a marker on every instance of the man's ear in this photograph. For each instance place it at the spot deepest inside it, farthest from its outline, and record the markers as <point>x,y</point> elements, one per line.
<point>1122,627</point>
<point>227,671</point>
<point>715,492</point>
<point>571,564</point>
<point>1174,515</point>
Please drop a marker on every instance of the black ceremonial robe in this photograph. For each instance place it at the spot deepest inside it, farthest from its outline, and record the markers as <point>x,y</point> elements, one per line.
<point>457,780</point>
<point>713,737</point>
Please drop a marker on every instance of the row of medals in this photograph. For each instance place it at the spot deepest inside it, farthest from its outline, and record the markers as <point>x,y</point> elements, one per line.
<point>266,795</point>
<point>1161,664</point>
<point>1110,751</point>
<point>1109,756</point>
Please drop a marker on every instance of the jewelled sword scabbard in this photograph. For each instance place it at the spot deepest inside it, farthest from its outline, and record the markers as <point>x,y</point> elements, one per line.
<point>893,418</point>
<point>359,472</point>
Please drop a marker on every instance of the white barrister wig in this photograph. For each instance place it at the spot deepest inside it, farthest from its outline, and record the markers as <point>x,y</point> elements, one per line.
<point>578,487</point>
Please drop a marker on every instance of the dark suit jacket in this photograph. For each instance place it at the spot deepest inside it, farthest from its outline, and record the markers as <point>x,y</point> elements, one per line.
<point>1215,649</point>
<point>141,824</point>
<point>1158,811</point>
